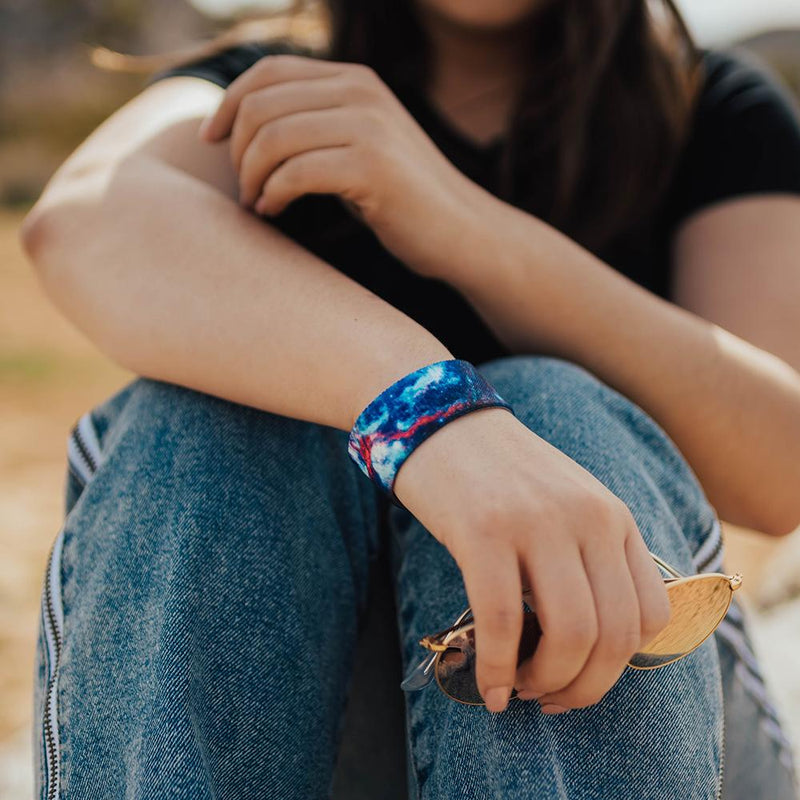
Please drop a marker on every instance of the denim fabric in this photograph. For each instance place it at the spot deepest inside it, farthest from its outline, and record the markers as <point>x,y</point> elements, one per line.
<point>203,603</point>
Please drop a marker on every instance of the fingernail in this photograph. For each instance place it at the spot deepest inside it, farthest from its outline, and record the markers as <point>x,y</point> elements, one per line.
<point>552,708</point>
<point>528,694</point>
<point>497,698</point>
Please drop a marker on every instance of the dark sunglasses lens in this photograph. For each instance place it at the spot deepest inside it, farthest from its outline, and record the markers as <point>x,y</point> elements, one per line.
<point>455,667</point>
<point>697,605</point>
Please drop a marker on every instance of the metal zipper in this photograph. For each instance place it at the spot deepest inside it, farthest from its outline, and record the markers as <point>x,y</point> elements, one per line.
<point>83,459</point>
<point>83,449</point>
<point>53,621</point>
<point>721,776</point>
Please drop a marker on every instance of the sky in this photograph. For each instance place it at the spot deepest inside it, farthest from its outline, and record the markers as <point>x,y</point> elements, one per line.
<point>718,21</point>
<point>712,21</point>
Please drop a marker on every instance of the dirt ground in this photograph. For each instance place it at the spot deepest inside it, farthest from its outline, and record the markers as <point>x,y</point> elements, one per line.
<point>50,374</point>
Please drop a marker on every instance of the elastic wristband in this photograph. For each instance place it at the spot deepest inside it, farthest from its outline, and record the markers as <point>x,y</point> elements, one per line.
<point>406,413</point>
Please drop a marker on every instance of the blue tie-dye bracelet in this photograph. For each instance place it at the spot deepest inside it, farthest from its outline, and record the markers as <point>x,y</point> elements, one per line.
<point>410,410</point>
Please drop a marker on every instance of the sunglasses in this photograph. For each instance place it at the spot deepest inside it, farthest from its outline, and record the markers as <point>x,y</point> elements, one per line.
<point>698,603</point>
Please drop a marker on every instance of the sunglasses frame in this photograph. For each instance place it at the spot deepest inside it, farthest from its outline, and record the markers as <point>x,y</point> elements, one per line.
<point>437,643</point>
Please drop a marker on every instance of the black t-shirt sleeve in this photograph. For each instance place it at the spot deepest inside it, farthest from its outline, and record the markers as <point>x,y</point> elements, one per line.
<point>226,65</point>
<point>745,136</point>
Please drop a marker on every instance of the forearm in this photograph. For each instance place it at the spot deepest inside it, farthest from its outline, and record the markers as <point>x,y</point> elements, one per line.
<point>732,409</point>
<point>174,281</point>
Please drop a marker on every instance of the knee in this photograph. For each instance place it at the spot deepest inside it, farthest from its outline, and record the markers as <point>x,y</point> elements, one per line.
<point>195,480</point>
<point>528,369</point>
<point>574,410</point>
<point>556,397</point>
<point>191,448</point>
<point>173,419</point>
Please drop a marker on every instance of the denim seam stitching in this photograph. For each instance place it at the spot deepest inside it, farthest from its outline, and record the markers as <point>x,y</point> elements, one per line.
<point>413,761</point>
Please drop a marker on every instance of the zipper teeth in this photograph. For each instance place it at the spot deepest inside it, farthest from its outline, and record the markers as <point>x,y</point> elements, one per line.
<point>721,759</point>
<point>52,618</point>
<point>53,632</point>
<point>84,450</point>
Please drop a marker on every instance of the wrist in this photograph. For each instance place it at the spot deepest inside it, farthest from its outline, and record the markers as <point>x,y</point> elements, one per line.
<point>432,465</point>
<point>411,410</point>
<point>390,366</point>
<point>454,224</point>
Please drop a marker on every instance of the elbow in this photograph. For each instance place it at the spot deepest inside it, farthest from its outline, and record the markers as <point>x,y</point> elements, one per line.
<point>774,518</point>
<point>783,525</point>
<point>769,505</point>
<point>48,239</point>
<point>42,238</point>
<point>36,237</point>
<point>781,511</point>
<point>47,236</point>
<point>31,233</point>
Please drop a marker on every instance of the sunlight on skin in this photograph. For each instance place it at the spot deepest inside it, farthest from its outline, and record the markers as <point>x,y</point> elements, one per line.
<point>117,138</point>
<point>774,368</point>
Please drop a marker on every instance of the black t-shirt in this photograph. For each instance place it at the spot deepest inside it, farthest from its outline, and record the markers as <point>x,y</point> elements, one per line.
<point>745,139</point>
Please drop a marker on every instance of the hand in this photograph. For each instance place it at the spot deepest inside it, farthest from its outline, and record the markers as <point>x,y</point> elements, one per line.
<point>302,125</point>
<point>514,511</point>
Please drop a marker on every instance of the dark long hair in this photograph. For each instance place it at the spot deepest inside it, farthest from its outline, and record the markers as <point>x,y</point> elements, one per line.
<point>601,121</point>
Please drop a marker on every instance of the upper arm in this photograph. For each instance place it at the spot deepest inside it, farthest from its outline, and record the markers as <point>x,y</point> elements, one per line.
<point>737,233</point>
<point>161,123</point>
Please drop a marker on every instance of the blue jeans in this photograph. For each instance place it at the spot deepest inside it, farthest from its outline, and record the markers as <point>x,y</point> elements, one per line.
<point>204,599</point>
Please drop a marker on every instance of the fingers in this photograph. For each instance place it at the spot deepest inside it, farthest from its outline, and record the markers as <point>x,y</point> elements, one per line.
<point>284,106</point>
<point>565,606</point>
<point>491,578</point>
<point>265,105</point>
<point>323,171</point>
<point>270,70</point>
<point>287,137</point>
<point>653,600</point>
<point>544,520</point>
<point>619,627</point>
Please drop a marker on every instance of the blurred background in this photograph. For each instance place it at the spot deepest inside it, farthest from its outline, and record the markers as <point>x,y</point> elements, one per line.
<point>51,97</point>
